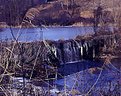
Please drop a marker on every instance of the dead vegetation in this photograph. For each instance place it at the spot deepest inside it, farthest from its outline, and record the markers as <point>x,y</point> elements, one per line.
<point>27,61</point>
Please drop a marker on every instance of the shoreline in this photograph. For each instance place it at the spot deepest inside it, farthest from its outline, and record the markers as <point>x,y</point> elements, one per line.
<point>4,25</point>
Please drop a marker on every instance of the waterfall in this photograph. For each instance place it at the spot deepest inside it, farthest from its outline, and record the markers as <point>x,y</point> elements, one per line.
<point>76,51</point>
<point>86,44</point>
<point>94,52</point>
<point>73,51</point>
<point>81,49</point>
<point>85,50</point>
<point>54,49</point>
<point>68,53</point>
<point>59,55</point>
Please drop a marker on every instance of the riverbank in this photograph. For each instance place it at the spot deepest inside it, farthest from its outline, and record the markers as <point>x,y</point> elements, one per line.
<point>43,26</point>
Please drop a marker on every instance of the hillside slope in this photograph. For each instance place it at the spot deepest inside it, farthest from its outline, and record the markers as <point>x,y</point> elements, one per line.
<point>69,12</point>
<point>54,12</point>
<point>59,12</point>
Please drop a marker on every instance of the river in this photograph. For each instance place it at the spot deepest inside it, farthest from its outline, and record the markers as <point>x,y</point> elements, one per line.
<point>49,33</point>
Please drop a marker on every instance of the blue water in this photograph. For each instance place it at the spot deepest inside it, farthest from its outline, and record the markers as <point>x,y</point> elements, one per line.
<point>80,77</point>
<point>50,33</point>
<point>74,67</point>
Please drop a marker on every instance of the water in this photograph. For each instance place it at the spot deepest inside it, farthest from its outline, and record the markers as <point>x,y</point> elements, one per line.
<point>74,67</point>
<point>50,33</point>
<point>83,80</point>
